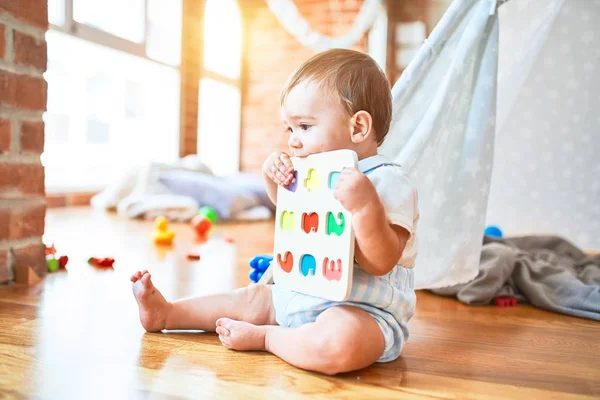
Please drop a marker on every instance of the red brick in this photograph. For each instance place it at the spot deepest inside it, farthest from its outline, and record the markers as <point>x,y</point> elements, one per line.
<point>3,266</point>
<point>22,91</point>
<point>80,199</point>
<point>4,223</point>
<point>27,179</point>
<point>2,43</point>
<point>56,200</point>
<point>23,221</point>
<point>32,137</point>
<point>5,135</point>
<point>20,222</point>
<point>30,51</point>
<point>31,93</point>
<point>34,12</point>
<point>31,256</point>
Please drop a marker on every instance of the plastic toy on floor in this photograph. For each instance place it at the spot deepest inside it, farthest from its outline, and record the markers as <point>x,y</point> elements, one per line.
<point>202,226</point>
<point>105,262</point>
<point>52,262</point>
<point>208,213</point>
<point>162,234</point>
<point>505,301</point>
<point>259,265</point>
<point>493,231</point>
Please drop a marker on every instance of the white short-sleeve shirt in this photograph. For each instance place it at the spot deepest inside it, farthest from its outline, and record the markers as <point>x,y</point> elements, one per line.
<point>399,197</point>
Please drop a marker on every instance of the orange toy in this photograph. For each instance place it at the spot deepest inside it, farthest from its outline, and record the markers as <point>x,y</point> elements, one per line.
<point>202,227</point>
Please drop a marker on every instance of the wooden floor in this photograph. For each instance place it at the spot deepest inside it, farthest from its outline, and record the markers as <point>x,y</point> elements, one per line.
<point>77,335</point>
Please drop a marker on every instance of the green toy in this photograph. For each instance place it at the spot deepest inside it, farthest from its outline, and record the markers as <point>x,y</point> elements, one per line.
<point>53,264</point>
<point>209,213</point>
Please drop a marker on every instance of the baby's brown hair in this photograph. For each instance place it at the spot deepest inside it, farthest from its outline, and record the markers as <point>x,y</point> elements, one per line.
<point>356,79</point>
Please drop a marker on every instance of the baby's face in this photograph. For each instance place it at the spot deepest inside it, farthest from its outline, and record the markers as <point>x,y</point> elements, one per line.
<point>315,120</point>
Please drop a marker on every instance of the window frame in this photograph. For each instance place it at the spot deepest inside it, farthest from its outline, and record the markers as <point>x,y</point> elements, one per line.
<point>204,72</point>
<point>103,38</point>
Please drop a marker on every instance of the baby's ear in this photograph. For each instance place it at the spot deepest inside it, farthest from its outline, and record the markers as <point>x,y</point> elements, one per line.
<point>361,126</point>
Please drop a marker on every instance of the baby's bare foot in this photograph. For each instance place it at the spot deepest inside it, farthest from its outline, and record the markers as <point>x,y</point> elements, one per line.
<point>154,309</point>
<point>238,335</point>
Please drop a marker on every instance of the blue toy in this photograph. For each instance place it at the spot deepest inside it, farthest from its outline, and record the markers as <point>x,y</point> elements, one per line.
<point>259,265</point>
<point>493,231</point>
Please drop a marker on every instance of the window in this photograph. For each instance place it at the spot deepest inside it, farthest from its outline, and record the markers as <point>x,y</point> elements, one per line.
<point>122,18</point>
<point>219,97</point>
<point>113,94</point>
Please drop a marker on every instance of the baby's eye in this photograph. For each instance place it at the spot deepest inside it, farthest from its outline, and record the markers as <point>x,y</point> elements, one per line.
<point>304,127</point>
<point>288,129</point>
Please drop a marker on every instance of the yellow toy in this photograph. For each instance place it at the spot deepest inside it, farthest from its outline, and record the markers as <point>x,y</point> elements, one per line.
<point>162,234</point>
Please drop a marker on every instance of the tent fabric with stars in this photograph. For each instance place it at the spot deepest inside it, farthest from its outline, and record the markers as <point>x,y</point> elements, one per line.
<point>466,84</point>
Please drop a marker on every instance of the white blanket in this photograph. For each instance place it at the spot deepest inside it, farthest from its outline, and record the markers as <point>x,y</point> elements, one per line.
<point>138,194</point>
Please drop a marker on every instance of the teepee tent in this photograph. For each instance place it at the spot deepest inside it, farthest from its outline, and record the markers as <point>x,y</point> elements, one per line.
<point>478,75</point>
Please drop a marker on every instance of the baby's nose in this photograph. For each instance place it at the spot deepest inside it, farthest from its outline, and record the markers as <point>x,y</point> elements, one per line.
<point>294,142</point>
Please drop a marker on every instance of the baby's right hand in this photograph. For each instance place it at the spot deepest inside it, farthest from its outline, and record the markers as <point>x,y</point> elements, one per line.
<point>279,168</point>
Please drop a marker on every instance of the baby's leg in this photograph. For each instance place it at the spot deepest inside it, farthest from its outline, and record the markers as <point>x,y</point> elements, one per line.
<point>342,339</point>
<point>252,304</point>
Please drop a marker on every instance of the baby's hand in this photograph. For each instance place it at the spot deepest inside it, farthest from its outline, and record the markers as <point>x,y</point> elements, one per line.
<point>354,190</point>
<point>279,168</point>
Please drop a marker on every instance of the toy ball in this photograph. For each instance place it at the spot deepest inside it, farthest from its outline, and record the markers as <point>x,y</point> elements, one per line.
<point>493,231</point>
<point>208,213</point>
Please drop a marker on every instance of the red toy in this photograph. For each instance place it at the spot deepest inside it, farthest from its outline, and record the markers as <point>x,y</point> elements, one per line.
<point>62,261</point>
<point>101,262</point>
<point>229,239</point>
<point>505,301</point>
<point>202,227</point>
<point>193,256</point>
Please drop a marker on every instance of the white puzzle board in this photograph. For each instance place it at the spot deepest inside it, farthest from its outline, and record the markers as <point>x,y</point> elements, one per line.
<point>319,262</point>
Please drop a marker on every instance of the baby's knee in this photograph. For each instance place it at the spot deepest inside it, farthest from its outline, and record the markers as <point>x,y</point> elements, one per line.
<point>334,352</point>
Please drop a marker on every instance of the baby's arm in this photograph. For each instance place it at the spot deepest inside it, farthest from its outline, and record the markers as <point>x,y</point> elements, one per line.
<point>379,245</point>
<point>277,170</point>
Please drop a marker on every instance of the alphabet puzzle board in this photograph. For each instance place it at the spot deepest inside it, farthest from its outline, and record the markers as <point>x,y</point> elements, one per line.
<point>314,241</point>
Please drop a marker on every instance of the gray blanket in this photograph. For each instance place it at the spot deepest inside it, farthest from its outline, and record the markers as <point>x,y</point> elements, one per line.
<point>546,271</point>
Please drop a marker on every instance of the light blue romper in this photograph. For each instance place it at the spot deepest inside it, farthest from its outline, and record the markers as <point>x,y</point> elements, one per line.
<point>390,299</point>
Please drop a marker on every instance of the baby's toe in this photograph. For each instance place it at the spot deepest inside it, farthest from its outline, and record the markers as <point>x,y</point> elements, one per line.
<point>146,280</point>
<point>224,322</point>
<point>223,331</point>
<point>136,276</point>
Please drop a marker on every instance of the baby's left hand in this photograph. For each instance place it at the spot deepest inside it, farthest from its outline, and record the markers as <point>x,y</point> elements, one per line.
<point>354,190</point>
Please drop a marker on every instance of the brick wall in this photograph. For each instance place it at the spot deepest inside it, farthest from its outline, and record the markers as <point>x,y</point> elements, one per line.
<point>22,102</point>
<point>270,57</point>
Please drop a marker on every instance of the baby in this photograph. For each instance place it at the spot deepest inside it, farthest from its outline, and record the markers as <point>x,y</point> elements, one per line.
<point>338,99</point>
